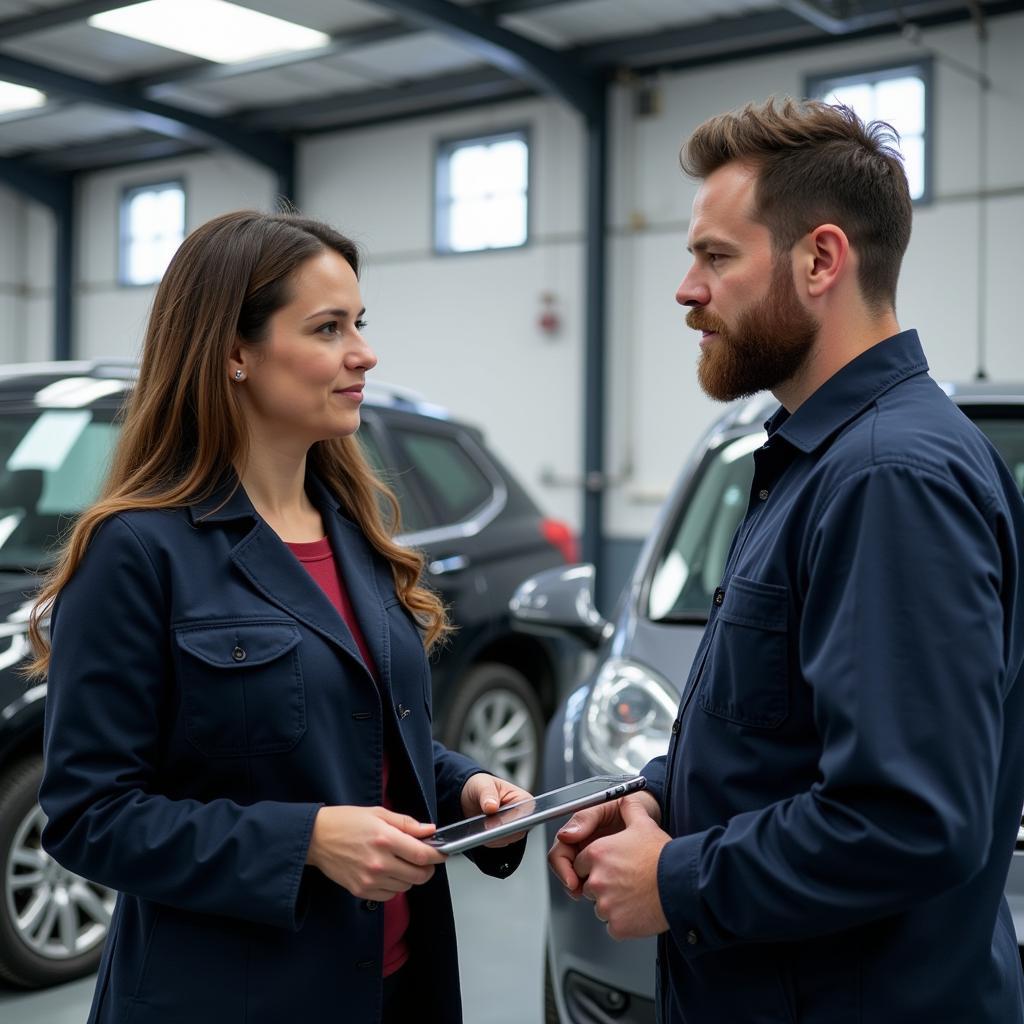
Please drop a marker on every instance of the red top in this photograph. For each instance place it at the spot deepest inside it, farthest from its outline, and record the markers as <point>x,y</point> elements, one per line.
<point>318,559</point>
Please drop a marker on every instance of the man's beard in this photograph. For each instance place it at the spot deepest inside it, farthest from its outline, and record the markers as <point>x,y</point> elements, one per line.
<point>770,343</point>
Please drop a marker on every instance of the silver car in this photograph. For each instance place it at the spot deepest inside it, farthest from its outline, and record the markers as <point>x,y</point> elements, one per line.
<point>621,715</point>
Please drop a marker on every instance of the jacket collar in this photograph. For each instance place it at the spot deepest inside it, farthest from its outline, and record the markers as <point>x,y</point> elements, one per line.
<point>850,391</point>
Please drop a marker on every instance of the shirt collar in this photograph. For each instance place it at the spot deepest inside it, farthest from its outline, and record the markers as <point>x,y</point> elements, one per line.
<point>848,392</point>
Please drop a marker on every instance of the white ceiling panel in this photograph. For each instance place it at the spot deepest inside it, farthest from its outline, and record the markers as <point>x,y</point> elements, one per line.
<point>415,56</point>
<point>93,53</point>
<point>66,126</point>
<point>584,21</point>
<point>269,88</point>
<point>324,15</point>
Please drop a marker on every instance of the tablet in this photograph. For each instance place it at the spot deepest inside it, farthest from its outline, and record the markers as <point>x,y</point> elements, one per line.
<point>520,817</point>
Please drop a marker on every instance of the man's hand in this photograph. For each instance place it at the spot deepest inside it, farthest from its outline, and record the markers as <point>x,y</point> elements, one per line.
<point>615,864</point>
<point>586,826</point>
<point>373,852</point>
<point>487,794</point>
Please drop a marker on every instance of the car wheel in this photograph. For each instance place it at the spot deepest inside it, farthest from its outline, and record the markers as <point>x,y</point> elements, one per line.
<point>52,922</point>
<point>496,719</point>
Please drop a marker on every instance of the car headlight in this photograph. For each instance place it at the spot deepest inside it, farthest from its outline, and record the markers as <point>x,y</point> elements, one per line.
<point>628,719</point>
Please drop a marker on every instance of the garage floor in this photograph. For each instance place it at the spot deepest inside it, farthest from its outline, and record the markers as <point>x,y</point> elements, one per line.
<point>501,944</point>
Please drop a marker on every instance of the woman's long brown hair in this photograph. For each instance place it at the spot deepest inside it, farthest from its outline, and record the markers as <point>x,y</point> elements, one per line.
<point>183,425</point>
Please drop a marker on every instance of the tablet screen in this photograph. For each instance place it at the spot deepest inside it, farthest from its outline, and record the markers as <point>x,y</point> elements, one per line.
<point>530,812</point>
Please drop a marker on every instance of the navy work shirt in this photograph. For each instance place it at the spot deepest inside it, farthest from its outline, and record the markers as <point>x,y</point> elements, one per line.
<point>846,774</point>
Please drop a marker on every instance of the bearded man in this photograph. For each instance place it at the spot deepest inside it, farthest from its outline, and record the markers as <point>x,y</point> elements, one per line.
<point>828,838</point>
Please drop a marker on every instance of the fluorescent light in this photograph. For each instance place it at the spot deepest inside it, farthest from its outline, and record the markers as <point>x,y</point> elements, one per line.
<point>212,29</point>
<point>19,97</point>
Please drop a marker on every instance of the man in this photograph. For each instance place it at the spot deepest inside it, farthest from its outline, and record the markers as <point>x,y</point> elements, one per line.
<point>828,838</point>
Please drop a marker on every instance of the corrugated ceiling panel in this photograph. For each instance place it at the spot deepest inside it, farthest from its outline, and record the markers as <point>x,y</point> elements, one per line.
<point>325,15</point>
<point>584,21</point>
<point>66,126</point>
<point>269,88</point>
<point>93,53</point>
<point>414,56</point>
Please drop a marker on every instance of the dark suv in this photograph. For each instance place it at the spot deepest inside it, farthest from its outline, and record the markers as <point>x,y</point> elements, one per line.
<point>621,714</point>
<point>481,533</point>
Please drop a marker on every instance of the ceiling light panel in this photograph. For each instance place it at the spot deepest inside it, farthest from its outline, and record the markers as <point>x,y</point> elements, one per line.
<point>19,97</point>
<point>212,29</point>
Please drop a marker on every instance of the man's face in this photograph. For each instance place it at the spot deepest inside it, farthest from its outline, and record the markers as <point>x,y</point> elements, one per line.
<point>755,332</point>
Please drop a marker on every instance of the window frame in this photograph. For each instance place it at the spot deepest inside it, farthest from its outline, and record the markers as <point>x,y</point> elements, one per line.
<point>443,150</point>
<point>128,192</point>
<point>872,74</point>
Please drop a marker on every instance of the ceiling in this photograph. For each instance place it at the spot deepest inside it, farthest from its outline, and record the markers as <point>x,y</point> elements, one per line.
<point>113,100</point>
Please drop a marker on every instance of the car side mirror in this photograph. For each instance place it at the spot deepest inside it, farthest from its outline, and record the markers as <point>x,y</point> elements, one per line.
<point>560,601</point>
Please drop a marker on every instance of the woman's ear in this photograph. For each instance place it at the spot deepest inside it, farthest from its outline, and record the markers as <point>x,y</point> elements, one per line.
<point>824,258</point>
<point>237,364</point>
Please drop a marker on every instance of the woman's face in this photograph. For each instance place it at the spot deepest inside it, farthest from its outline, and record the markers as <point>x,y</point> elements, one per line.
<point>304,382</point>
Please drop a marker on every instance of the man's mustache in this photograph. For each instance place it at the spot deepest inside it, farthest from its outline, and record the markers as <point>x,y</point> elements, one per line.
<point>702,320</point>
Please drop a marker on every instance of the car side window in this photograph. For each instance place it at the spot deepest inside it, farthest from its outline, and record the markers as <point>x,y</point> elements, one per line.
<point>457,486</point>
<point>693,558</point>
<point>413,517</point>
<point>1007,434</point>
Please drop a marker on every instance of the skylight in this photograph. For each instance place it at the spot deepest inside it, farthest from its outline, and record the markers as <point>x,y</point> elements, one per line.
<point>19,97</point>
<point>212,29</point>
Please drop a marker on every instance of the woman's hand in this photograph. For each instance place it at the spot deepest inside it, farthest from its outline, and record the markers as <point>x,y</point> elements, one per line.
<point>372,852</point>
<point>487,794</point>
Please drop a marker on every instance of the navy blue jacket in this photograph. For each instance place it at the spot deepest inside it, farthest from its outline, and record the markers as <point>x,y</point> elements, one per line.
<point>846,774</point>
<point>205,699</point>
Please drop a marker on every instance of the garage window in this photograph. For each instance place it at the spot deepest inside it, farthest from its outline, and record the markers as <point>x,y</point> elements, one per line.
<point>482,193</point>
<point>899,94</point>
<point>152,227</point>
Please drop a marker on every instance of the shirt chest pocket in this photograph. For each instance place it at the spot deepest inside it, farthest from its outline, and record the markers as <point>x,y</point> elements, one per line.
<point>746,678</point>
<point>241,685</point>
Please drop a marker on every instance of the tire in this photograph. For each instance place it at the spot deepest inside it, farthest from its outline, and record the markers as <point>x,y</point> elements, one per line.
<point>64,939</point>
<point>494,701</point>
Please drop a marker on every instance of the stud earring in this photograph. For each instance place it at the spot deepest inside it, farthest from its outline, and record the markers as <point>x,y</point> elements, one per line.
<point>239,375</point>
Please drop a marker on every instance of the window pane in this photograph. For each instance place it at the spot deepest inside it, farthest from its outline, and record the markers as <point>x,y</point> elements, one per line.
<point>913,162</point>
<point>900,101</point>
<point>154,228</point>
<point>469,226</point>
<point>856,97</point>
<point>507,218</point>
<point>468,173</point>
<point>486,204</point>
<point>507,167</point>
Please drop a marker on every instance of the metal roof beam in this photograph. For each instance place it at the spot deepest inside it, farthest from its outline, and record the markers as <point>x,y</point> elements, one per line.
<point>425,94</point>
<point>839,20</point>
<point>272,151</point>
<point>52,190</point>
<point>40,21</point>
<point>550,71</point>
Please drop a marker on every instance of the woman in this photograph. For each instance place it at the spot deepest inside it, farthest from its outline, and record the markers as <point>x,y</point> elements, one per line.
<point>238,719</point>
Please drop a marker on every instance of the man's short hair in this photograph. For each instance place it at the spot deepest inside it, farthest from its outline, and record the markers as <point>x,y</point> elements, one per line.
<point>817,164</point>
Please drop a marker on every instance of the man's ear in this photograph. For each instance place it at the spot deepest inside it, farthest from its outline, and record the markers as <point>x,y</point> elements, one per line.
<point>823,258</point>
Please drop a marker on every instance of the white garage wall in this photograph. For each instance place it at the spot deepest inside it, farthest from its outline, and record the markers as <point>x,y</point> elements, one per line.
<point>462,329</point>
<point>110,319</point>
<point>26,273</point>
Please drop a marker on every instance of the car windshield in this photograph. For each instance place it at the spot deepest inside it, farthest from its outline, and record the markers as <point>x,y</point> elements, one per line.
<point>692,560</point>
<point>52,465</point>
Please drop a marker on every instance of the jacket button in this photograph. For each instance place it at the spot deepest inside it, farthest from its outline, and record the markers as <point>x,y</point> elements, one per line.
<point>719,596</point>
<point>238,654</point>
<point>763,494</point>
<point>370,904</point>
<point>692,937</point>
<point>675,727</point>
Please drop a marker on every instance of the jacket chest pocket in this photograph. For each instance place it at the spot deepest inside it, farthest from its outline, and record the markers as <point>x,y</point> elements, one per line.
<point>241,684</point>
<point>746,678</point>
